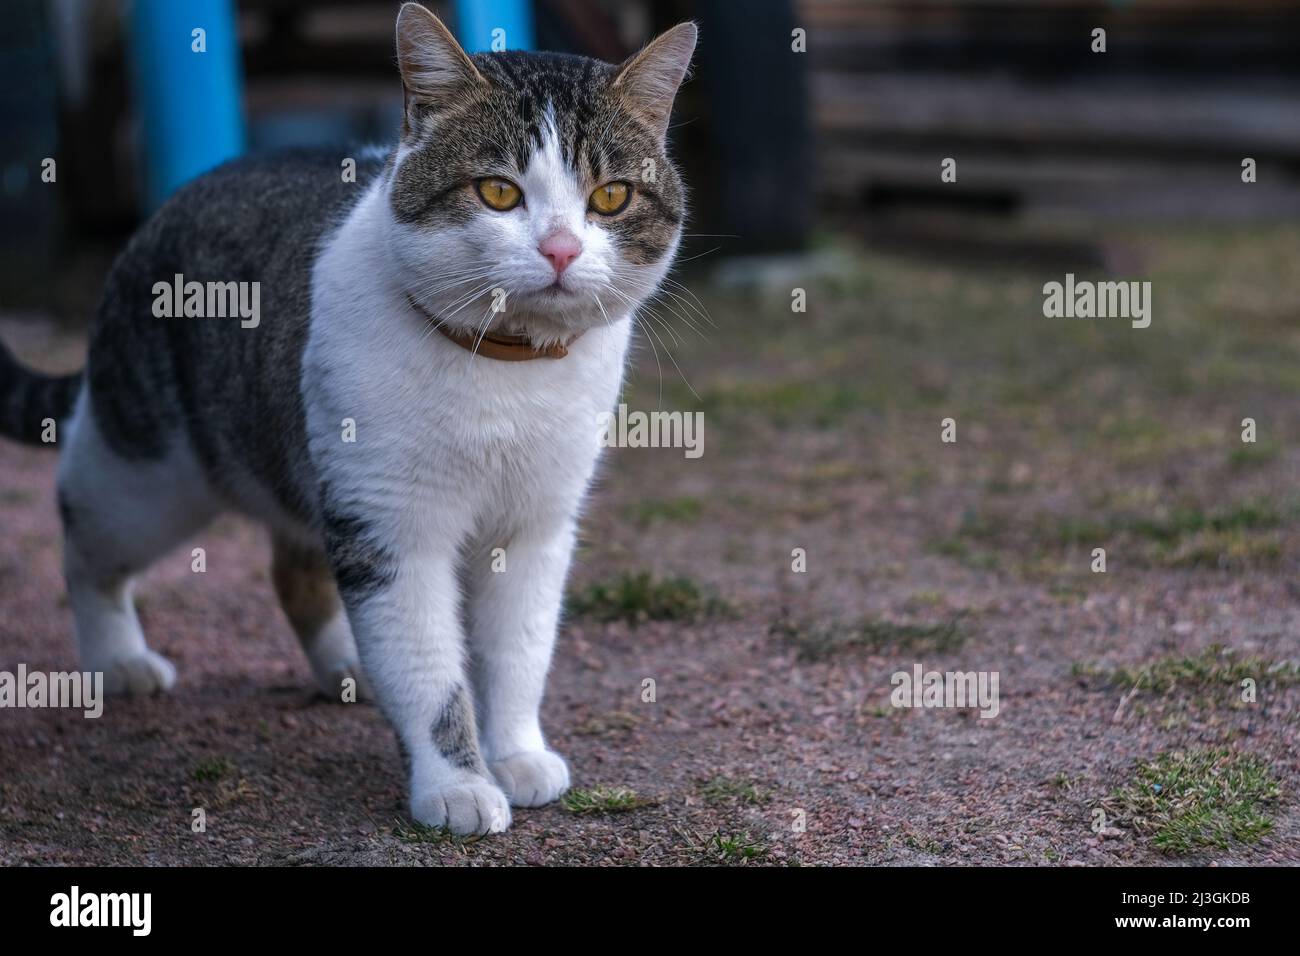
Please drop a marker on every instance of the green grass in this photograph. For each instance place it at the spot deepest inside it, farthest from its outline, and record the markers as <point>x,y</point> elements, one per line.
<point>974,341</point>
<point>604,800</point>
<point>1224,552</point>
<point>959,549</point>
<point>1254,454</point>
<point>655,510</point>
<point>816,641</point>
<point>1179,524</point>
<point>925,844</point>
<point>722,790</point>
<point>413,832</point>
<point>1216,665</point>
<point>925,599</point>
<point>212,768</point>
<point>1239,536</point>
<point>819,401</point>
<point>730,848</point>
<point>608,724</point>
<point>1184,801</point>
<point>1061,781</point>
<point>642,597</point>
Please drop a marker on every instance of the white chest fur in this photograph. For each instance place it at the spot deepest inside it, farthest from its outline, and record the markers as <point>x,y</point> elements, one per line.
<point>441,434</point>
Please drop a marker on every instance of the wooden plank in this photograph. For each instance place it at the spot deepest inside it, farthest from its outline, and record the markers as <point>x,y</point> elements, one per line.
<point>1171,115</point>
<point>827,13</point>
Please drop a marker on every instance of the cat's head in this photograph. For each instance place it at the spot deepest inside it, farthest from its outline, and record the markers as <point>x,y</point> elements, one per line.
<point>539,177</point>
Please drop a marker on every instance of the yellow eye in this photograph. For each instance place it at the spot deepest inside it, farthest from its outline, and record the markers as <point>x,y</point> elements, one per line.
<point>499,194</point>
<point>611,198</point>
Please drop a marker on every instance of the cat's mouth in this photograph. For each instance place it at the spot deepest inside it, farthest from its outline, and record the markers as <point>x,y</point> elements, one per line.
<point>555,293</point>
<point>557,288</point>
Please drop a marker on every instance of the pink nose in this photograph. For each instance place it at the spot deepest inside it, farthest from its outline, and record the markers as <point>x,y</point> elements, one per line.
<point>561,248</point>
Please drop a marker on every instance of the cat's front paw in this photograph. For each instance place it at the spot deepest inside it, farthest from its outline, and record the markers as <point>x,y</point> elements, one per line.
<point>532,778</point>
<point>137,675</point>
<point>467,806</point>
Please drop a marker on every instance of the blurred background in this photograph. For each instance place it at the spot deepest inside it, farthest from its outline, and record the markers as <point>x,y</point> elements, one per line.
<point>847,136</point>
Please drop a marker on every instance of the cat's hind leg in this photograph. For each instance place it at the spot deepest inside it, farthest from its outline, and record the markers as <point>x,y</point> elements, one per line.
<point>310,598</point>
<point>119,515</point>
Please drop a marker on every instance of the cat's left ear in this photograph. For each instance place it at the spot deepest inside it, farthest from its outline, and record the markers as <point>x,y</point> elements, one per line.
<point>649,80</point>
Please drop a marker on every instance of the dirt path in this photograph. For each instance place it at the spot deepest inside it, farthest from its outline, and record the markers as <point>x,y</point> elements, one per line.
<point>772,738</point>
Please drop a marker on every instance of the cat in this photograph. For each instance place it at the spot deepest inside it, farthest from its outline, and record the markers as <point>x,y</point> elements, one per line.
<point>414,412</point>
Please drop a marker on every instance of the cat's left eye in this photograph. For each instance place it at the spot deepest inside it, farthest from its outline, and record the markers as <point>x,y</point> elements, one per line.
<point>499,194</point>
<point>611,198</point>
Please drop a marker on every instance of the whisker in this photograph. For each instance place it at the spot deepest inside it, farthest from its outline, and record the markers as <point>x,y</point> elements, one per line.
<point>658,364</point>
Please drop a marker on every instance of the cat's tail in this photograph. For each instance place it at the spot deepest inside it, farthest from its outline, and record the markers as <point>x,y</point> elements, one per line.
<point>29,400</point>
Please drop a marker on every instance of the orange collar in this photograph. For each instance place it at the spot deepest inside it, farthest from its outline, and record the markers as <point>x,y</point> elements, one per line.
<point>501,346</point>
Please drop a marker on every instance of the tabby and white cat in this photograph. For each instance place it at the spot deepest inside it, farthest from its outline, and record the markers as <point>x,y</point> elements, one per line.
<point>518,180</point>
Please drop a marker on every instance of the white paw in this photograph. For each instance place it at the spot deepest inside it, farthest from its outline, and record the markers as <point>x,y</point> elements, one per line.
<point>333,682</point>
<point>532,778</point>
<point>467,806</point>
<point>137,675</point>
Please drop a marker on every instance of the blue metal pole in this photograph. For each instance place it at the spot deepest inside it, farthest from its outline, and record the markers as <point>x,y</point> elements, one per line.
<point>477,23</point>
<point>187,89</point>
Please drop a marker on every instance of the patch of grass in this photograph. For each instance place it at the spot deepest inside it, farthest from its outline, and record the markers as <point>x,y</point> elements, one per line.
<point>1168,528</point>
<point>1223,550</point>
<point>1215,665</point>
<point>917,477</point>
<point>1139,438</point>
<point>1132,438</point>
<point>831,472</point>
<point>925,844</point>
<point>665,509</point>
<point>1253,454</point>
<point>604,800</point>
<point>820,402</point>
<point>970,542</point>
<point>1238,536</point>
<point>722,789</point>
<point>413,832</point>
<point>642,597</point>
<point>602,725</point>
<point>1188,800</point>
<point>231,791</point>
<point>925,599</point>
<point>1171,528</point>
<point>816,642</point>
<point>212,768</point>
<point>959,549</point>
<point>732,848</point>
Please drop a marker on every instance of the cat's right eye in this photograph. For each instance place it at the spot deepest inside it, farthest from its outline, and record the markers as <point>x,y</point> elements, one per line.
<point>499,194</point>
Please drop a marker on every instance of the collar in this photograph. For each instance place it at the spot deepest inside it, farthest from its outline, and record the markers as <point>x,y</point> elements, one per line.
<point>497,345</point>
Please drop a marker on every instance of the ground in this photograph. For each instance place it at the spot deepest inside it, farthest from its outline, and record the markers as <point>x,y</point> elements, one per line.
<point>1127,730</point>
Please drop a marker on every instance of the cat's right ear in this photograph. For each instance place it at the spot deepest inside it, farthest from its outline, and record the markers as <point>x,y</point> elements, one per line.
<point>433,65</point>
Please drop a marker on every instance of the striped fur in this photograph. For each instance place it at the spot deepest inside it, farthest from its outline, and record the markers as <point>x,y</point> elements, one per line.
<point>29,400</point>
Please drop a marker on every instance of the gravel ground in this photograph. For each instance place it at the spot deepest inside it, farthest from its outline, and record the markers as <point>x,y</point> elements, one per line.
<point>771,738</point>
